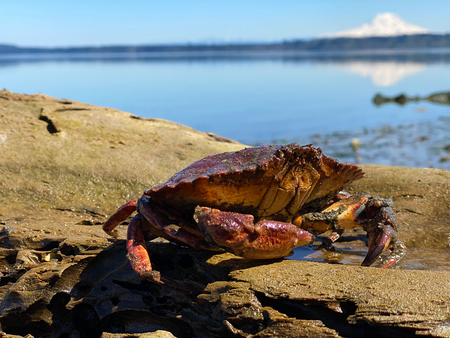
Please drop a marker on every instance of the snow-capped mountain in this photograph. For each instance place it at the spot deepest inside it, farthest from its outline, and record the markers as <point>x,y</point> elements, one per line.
<point>384,24</point>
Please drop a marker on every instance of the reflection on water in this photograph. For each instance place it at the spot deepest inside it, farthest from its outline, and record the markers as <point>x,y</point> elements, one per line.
<point>385,68</point>
<point>359,60</point>
<point>383,74</point>
<point>260,97</point>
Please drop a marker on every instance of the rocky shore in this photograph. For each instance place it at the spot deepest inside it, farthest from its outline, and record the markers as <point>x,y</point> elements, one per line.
<point>65,166</point>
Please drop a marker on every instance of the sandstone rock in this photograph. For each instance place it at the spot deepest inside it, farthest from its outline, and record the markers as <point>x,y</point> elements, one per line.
<point>66,165</point>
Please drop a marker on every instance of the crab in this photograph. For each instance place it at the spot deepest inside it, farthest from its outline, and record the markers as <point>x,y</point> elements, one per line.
<point>257,203</point>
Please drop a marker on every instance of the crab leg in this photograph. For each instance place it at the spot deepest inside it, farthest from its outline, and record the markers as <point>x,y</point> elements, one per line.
<point>328,243</point>
<point>163,226</point>
<point>137,251</point>
<point>119,216</point>
<point>140,259</point>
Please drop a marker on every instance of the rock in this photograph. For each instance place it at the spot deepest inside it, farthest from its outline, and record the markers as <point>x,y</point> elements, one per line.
<point>440,98</point>
<point>66,165</point>
<point>390,301</point>
<point>155,334</point>
<point>70,156</point>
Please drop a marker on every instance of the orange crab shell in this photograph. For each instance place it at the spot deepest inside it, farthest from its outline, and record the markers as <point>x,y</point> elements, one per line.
<point>270,182</point>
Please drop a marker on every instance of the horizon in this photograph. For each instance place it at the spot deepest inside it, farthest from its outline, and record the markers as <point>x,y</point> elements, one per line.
<point>204,43</point>
<point>53,24</point>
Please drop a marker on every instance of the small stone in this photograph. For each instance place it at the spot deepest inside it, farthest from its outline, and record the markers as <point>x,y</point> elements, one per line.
<point>355,144</point>
<point>445,158</point>
<point>87,222</point>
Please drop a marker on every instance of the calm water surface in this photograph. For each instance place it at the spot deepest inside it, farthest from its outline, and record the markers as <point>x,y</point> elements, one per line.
<point>255,98</point>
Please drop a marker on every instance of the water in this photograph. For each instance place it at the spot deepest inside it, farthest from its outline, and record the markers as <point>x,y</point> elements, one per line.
<point>352,251</point>
<point>263,97</point>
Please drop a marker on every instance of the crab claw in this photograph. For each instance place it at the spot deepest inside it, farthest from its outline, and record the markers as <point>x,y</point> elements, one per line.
<point>377,217</point>
<point>379,241</point>
<point>267,239</point>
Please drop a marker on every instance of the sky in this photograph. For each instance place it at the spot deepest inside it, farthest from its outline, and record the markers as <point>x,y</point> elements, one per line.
<point>58,23</point>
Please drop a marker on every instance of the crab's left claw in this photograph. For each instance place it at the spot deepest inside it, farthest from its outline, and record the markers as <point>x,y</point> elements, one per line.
<point>378,219</point>
<point>379,241</point>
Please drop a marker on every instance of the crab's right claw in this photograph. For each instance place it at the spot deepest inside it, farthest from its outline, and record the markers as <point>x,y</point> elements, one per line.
<point>381,239</point>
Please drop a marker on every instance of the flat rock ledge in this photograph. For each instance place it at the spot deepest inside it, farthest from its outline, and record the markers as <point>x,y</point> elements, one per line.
<point>65,166</point>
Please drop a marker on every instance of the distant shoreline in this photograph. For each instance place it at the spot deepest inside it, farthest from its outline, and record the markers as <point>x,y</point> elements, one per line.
<point>411,55</point>
<point>422,41</point>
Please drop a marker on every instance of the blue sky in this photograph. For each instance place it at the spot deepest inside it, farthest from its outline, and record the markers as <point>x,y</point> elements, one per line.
<point>105,22</point>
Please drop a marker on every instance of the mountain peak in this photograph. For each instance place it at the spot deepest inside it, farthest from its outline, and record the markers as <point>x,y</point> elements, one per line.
<point>384,24</point>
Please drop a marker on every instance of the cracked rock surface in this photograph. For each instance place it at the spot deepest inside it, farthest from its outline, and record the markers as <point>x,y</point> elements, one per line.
<point>65,166</point>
